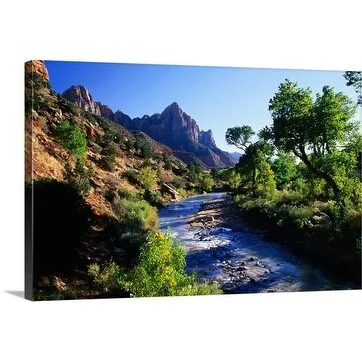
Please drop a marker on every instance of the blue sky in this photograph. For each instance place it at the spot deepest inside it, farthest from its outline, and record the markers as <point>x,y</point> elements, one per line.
<point>216,97</point>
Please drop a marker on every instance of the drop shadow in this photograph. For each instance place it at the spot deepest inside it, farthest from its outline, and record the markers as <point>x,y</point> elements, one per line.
<point>16,293</point>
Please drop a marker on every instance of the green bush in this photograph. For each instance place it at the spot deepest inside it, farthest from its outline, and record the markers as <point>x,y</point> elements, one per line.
<point>71,138</point>
<point>132,176</point>
<point>107,278</point>
<point>148,177</point>
<point>138,215</point>
<point>178,183</point>
<point>167,162</point>
<point>154,198</point>
<point>159,272</point>
<point>108,163</point>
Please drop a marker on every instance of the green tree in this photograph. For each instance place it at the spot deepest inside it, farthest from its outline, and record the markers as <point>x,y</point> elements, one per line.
<point>265,180</point>
<point>284,168</point>
<point>148,177</point>
<point>239,137</point>
<point>314,131</point>
<point>71,138</point>
<point>207,183</point>
<point>354,79</point>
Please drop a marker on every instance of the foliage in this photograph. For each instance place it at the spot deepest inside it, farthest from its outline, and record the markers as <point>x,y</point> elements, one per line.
<point>72,139</point>
<point>154,198</point>
<point>207,183</point>
<point>105,278</point>
<point>138,215</point>
<point>148,177</point>
<point>131,175</point>
<point>354,79</point>
<point>314,131</point>
<point>214,172</point>
<point>239,136</point>
<point>178,183</point>
<point>146,151</point>
<point>284,168</point>
<point>167,162</point>
<point>159,272</point>
<point>265,181</point>
<point>194,170</point>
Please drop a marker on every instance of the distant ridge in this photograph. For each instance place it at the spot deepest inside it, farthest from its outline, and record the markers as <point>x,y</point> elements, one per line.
<point>173,128</point>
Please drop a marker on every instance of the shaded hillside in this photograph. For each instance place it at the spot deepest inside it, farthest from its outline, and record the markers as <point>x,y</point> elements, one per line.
<point>173,128</point>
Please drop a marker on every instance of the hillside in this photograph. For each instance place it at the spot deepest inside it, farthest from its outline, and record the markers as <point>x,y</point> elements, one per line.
<point>83,172</point>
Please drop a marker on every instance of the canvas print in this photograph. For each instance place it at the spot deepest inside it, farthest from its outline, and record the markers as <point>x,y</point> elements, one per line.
<point>167,180</point>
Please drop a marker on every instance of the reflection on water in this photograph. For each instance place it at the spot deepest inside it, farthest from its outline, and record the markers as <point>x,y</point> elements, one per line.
<point>243,261</point>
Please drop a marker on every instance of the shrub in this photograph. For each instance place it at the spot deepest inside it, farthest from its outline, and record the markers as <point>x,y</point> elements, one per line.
<point>148,177</point>
<point>160,272</point>
<point>178,183</point>
<point>167,162</point>
<point>138,215</point>
<point>108,163</point>
<point>72,139</point>
<point>207,183</point>
<point>145,151</point>
<point>105,278</point>
<point>131,175</point>
<point>154,198</point>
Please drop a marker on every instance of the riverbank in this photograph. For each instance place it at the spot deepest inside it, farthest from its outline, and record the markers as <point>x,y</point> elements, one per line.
<point>221,212</point>
<point>225,212</point>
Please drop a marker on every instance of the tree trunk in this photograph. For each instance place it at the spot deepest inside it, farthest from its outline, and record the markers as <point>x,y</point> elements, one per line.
<point>330,182</point>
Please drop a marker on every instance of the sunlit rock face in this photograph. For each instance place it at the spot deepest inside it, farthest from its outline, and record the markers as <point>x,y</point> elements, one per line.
<point>173,127</point>
<point>82,98</point>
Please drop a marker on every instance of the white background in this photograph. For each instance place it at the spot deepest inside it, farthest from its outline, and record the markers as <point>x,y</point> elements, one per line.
<point>283,327</point>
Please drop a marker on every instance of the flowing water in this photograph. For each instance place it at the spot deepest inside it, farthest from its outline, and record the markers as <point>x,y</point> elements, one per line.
<point>243,261</point>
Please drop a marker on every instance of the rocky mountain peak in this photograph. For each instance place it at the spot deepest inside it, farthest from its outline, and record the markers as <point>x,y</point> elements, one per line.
<point>206,138</point>
<point>38,66</point>
<point>80,95</point>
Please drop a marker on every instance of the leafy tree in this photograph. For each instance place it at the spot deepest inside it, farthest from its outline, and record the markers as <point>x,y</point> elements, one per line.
<point>232,178</point>
<point>207,183</point>
<point>72,139</point>
<point>194,170</point>
<point>148,177</point>
<point>265,180</point>
<point>314,131</point>
<point>214,172</point>
<point>284,168</point>
<point>239,136</point>
<point>354,79</point>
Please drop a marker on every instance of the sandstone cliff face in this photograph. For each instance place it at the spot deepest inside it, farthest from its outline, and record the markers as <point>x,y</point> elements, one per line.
<point>82,98</point>
<point>173,128</point>
<point>105,111</point>
<point>37,66</point>
<point>207,139</point>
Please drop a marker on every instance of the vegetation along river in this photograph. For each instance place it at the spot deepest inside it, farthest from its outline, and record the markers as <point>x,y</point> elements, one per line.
<point>242,260</point>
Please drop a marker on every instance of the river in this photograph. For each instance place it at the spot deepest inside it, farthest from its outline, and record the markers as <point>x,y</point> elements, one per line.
<point>242,261</point>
